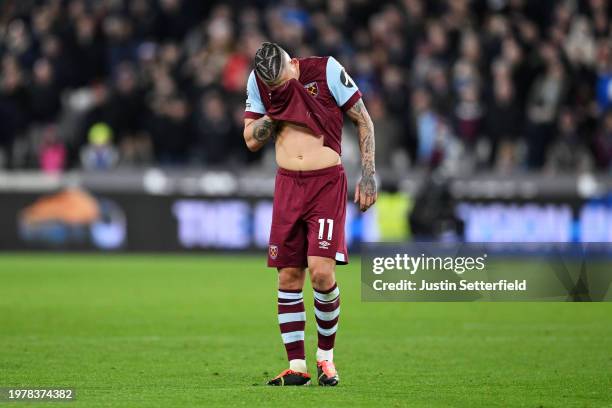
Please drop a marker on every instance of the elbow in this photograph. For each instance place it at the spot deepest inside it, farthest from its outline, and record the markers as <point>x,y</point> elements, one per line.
<point>251,143</point>
<point>253,147</point>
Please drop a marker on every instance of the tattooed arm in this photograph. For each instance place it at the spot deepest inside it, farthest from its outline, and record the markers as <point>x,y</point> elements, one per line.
<point>365,192</point>
<point>258,132</point>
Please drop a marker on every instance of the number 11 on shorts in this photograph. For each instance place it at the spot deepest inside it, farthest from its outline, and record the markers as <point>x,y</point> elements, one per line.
<point>330,228</point>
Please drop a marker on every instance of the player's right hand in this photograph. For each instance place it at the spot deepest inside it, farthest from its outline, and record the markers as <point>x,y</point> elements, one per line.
<point>365,192</point>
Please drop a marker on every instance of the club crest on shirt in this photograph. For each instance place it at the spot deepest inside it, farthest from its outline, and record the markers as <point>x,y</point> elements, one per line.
<point>312,88</point>
<point>273,251</point>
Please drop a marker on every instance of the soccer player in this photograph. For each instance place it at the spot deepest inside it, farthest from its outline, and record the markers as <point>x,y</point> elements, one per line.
<point>299,103</point>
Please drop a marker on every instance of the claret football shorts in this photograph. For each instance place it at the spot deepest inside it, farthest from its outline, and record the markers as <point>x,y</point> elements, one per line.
<point>308,217</point>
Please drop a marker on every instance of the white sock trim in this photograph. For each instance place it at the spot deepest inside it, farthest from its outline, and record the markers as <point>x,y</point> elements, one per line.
<point>292,336</point>
<point>289,295</point>
<point>327,332</point>
<point>298,365</point>
<point>291,317</point>
<point>327,297</point>
<point>325,355</point>
<point>327,315</point>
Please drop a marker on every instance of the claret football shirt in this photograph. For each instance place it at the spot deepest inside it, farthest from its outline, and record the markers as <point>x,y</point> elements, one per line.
<point>324,80</point>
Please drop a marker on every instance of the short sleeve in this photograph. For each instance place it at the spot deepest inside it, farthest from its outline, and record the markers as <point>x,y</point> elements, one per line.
<point>341,85</point>
<point>254,108</point>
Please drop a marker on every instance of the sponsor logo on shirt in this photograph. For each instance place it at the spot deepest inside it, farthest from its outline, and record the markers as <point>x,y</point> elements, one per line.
<point>324,244</point>
<point>346,80</point>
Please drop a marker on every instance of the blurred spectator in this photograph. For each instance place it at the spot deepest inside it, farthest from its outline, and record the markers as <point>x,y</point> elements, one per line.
<point>44,94</point>
<point>439,86</point>
<point>503,123</point>
<point>568,154</point>
<point>604,80</point>
<point>431,130</point>
<point>88,50</point>
<point>425,123</point>
<point>384,124</point>
<point>468,114</point>
<point>545,97</point>
<point>603,143</point>
<point>170,130</point>
<point>214,130</point>
<point>125,112</point>
<point>52,152</point>
<point>99,153</point>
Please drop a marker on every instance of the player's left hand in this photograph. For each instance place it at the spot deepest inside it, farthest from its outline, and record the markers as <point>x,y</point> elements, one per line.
<point>365,192</point>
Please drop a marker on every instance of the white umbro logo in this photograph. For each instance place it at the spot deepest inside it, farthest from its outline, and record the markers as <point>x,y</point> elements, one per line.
<point>323,244</point>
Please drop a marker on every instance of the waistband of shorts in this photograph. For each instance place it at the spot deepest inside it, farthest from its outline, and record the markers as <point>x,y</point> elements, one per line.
<point>327,171</point>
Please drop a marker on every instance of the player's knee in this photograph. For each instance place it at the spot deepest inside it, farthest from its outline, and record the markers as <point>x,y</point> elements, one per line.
<point>322,275</point>
<point>291,278</point>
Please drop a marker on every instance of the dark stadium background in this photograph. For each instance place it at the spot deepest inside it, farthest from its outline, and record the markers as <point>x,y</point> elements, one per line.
<point>479,107</point>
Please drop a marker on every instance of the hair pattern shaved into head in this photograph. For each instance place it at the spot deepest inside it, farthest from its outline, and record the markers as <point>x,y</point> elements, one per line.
<point>269,61</point>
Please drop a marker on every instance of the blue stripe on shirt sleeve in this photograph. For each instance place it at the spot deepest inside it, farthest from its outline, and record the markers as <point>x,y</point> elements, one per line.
<point>340,84</point>
<point>253,101</point>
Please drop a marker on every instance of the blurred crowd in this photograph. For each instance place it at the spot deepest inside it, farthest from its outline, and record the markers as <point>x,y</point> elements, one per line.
<point>503,85</point>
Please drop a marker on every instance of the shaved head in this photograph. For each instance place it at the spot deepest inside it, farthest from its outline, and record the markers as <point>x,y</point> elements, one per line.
<point>270,61</point>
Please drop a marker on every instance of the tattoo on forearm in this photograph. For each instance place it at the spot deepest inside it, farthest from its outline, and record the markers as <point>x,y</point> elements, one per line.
<point>264,130</point>
<point>361,118</point>
<point>367,184</point>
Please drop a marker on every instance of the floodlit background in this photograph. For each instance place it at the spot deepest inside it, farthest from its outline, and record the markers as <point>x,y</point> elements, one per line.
<point>493,119</point>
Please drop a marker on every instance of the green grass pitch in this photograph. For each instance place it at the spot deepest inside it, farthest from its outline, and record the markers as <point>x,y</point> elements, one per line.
<point>185,331</point>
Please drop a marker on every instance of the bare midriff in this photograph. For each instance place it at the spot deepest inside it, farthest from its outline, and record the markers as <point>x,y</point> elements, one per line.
<point>297,148</point>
